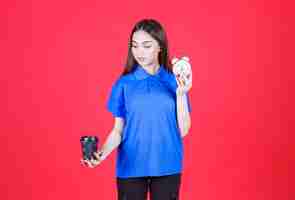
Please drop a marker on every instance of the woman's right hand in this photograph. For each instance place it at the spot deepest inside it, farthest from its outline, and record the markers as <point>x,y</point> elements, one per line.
<point>93,162</point>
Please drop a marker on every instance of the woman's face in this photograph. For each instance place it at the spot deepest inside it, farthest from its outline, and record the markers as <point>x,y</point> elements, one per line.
<point>145,49</point>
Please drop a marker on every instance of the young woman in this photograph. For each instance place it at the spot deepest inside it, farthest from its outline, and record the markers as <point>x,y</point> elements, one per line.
<point>151,111</point>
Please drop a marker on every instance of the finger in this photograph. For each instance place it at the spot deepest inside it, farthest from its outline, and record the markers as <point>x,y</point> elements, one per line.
<point>178,81</point>
<point>188,87</point>
<point>186,79</point>
<point>190,78</point>
<point>182,80</point>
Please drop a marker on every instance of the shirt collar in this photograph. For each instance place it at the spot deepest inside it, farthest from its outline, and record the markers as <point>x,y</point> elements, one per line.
<point>140,72</point>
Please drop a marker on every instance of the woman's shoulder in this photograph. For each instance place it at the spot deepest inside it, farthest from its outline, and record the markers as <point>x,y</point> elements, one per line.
<point>124,79</point>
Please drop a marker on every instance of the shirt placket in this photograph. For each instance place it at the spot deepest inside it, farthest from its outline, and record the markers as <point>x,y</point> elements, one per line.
<point>149,85</point>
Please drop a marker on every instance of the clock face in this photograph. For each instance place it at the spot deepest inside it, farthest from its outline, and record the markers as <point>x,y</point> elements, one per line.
<point>182,68</point>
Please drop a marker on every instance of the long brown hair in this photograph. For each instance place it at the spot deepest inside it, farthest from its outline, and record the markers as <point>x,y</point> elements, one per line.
<point>157,32</point>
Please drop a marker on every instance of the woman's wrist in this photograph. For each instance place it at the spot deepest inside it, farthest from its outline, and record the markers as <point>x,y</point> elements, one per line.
<point>180,93</point>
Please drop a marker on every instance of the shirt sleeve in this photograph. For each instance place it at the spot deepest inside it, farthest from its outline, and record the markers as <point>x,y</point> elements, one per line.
<point>115,102</point>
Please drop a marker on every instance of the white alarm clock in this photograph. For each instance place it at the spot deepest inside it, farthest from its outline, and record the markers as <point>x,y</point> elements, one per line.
<point>182,68</point>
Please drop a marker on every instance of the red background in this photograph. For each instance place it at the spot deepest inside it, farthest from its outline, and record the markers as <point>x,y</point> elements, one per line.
<point>60,58</point>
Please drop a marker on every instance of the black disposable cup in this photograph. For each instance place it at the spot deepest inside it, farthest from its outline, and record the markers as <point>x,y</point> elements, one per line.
<point>89,146</point>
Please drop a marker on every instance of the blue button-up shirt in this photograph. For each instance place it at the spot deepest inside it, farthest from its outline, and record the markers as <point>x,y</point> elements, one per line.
<point>151,143</point>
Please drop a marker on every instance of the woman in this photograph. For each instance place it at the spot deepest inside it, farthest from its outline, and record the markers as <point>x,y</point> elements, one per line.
<point>151,110</point>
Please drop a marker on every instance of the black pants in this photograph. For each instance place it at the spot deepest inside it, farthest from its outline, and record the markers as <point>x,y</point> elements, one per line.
<point>160,187</point>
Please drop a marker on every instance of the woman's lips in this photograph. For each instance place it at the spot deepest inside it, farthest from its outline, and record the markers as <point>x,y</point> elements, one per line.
<point>141,59</point>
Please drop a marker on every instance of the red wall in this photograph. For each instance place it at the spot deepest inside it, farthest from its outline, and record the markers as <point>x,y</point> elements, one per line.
<point>60,58</point>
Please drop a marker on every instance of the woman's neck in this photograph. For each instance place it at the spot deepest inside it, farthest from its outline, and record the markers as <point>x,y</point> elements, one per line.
<point>152,69</point>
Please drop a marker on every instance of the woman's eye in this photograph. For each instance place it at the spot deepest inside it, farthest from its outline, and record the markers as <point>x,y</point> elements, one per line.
<point>146,47</point>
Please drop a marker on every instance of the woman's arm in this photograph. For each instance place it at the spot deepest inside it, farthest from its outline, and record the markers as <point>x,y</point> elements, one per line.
<point>183,116</point>
<point>184,77</point>
<point>114,138</point>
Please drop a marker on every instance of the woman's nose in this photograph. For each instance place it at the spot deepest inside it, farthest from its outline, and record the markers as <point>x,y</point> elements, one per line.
<point>140,52</point>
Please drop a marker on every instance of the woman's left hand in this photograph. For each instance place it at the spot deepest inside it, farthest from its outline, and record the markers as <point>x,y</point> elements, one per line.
<point>184,84</point>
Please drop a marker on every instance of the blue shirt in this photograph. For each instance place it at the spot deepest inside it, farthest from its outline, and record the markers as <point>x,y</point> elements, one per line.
<point>151,143</point>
